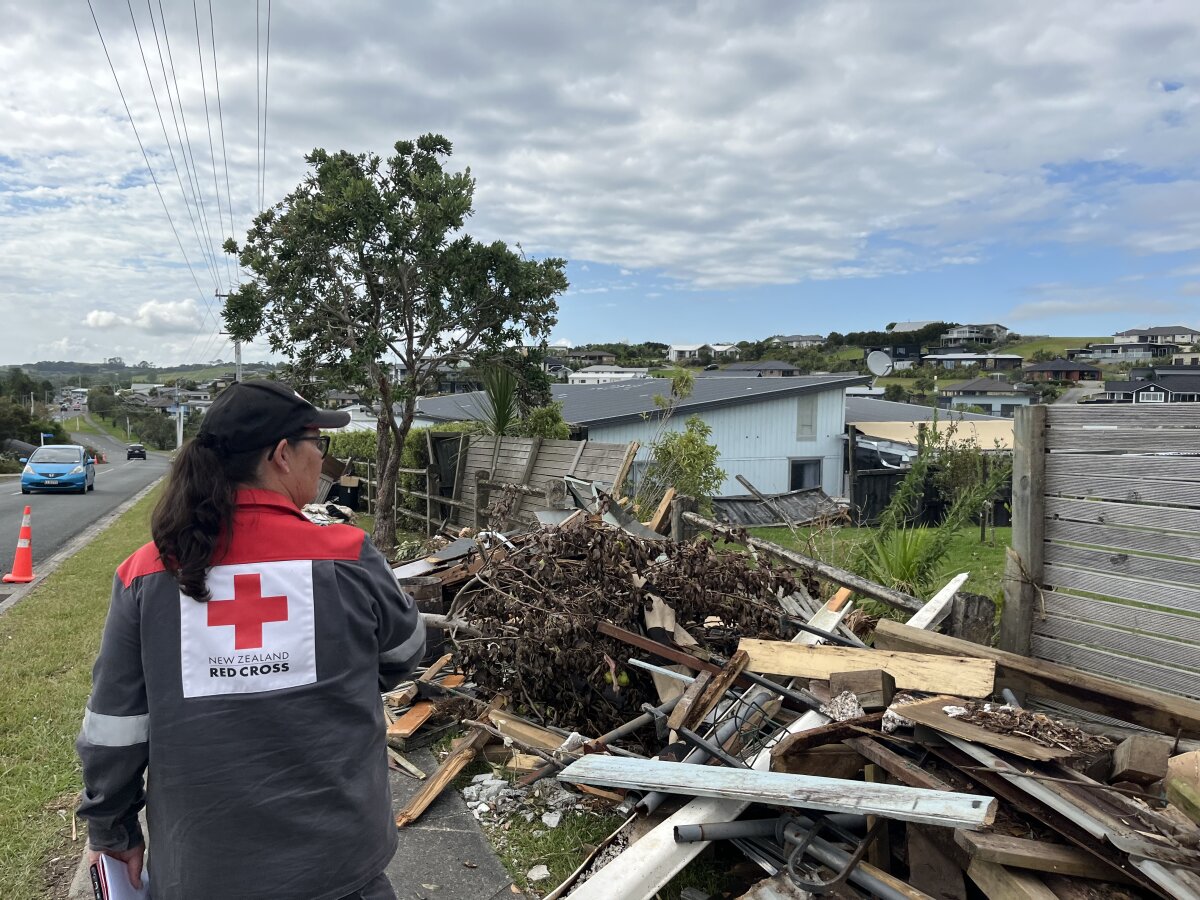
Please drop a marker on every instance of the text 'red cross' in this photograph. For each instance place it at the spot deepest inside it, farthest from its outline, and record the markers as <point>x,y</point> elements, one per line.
<point>247,611</point>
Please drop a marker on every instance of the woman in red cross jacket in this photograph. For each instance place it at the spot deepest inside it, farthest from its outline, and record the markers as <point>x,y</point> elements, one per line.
<point>241,665</point>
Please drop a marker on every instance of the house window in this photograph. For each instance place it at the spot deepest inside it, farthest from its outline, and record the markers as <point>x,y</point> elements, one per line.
<point>804,473</point>
<point>806,418</point>
<point>1152,397</point>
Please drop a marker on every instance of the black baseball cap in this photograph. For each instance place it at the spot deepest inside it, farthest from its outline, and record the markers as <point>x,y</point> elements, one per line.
<point>248,415</point>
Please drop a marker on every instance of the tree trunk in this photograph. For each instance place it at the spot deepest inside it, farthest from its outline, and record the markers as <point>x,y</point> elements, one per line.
<point>384,535</point>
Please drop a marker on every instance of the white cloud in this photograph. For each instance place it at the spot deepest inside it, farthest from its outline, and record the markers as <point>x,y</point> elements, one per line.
<point>104,318</point>
<point>721,146</point>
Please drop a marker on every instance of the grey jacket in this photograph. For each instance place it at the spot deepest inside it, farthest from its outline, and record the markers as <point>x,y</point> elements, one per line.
<point>258,712</point>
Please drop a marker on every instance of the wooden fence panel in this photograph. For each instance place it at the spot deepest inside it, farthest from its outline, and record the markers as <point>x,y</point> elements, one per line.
<point>1108,539</point>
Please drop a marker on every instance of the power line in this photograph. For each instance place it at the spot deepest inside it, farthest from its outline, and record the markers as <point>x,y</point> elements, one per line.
<point>266,98</point>
<point>212,155</point>
<point>189,155</point>
<point>221,121</point>
<point>163,123</point>
<point>257,107</point>
<point>142,147</point>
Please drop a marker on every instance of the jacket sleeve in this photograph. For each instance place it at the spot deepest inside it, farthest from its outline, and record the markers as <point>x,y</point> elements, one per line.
<point>401,630</point>
<point>113,744</point>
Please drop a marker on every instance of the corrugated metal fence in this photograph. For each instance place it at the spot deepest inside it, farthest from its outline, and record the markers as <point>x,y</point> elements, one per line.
<point>1107,531</point>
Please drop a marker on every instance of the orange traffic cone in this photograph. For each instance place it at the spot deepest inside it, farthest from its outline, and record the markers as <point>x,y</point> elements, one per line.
<point>22,569</point>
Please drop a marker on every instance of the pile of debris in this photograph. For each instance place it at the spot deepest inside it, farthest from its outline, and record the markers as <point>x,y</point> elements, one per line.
<point>708,698</point>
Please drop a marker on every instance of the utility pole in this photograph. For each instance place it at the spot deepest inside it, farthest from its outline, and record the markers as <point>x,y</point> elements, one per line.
<point>178,418</point>
<point>237,347</point>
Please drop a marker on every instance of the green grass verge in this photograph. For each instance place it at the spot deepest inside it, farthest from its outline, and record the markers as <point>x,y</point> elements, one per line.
<point>985,561</point>
<point>50,641</point>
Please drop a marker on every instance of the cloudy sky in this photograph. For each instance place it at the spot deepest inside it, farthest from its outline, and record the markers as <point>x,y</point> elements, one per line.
<point>712,171</point>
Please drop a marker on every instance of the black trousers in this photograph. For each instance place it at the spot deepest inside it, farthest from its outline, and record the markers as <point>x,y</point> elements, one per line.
<point>379,888</point>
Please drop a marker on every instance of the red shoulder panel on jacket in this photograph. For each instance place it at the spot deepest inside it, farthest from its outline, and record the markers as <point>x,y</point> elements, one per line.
<point>264,534</point>
<point>144,561</point>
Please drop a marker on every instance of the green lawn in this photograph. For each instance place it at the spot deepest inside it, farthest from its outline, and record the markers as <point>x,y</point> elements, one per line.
<point>985,561</point>
<point>1056,346</point>
<point>50,641</point>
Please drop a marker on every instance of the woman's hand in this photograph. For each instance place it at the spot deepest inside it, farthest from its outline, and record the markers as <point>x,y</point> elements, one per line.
<point>133,858</point>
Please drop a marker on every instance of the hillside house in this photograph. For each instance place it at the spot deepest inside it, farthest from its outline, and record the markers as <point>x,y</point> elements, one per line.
<point>605,374</point>
<point>993,395</point>
<point>965,335</point>
<point>1126,352</point>
<point>992,362</point>
<point>1164,334</point>
<point>798,341</point>
<point>1061,370</point>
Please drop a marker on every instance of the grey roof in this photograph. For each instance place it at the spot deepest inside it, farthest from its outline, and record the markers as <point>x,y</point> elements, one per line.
<point>865,409</point>
<point>762,365</point>
<point>982,385</point>
<point>1060,365</point>
<point>1176,384</point>
<point>800,337</point>
<point>632,399</point>
<point>1158,331</point>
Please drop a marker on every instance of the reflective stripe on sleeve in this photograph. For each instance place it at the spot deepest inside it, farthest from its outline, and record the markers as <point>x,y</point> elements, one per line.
<point>115,731</point>
<point>412,647</point>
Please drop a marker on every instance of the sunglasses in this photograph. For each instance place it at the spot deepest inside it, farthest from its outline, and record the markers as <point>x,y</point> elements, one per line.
<point>321,440</point>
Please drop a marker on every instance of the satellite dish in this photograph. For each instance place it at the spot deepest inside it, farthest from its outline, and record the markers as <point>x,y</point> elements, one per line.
<point>879,363</point>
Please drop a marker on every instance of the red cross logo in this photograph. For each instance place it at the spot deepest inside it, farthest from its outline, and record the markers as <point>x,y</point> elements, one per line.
<point>247,611</point>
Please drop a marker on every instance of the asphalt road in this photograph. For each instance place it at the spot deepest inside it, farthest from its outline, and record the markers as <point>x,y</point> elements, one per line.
<point>57,518</point>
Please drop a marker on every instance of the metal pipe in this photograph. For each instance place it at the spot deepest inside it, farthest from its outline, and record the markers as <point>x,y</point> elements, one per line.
<point>700,743</point>
<point>726,831</point>
<point>743,710</point>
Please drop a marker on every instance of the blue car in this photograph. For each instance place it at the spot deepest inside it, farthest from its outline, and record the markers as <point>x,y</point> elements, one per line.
<point>59,467</point>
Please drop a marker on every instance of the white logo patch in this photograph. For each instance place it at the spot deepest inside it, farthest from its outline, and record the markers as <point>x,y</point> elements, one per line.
<point>256,634</point>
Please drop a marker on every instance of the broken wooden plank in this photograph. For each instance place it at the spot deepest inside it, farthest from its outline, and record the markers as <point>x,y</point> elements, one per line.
<point>827,794</point>
<point>660,518</point>
<point>1166,713</point>
<point>896,765</point>
<point>1036,856</point>
<point>1182,784</point>
<point>421,712</point>
<point>874,688</point>
<point>939,605</point>
<point>687,713</point>
<point>971,677</point>
<point>929,712</point>
<point>999,883</point>
<point>525,733</point>
<point>827,761</point>
<point>824,734</point>
<point>462,752</point>
<point>402,762</point>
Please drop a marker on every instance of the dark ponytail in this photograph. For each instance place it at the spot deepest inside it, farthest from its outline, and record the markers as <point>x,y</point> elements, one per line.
<point>195,513</point>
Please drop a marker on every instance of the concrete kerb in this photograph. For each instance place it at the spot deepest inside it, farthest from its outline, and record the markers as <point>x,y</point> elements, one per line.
<point>47,567</point>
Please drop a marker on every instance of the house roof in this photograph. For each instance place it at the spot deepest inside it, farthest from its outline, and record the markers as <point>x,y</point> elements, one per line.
<point>634,398</point>
<point>690,346</point>
<point>613,369</point>
<point>982,385</point>
<point>866,409</point>
<point>1158,331</point>
<point>800,337</point>
<point>1060,365</point>
<point>980,356</point>
<point>1176,384</point>
<point>762,365</point>
<point>902,327</point>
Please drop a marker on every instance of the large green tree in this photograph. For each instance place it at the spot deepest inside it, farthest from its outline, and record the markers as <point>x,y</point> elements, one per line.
<point>362,276</point>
